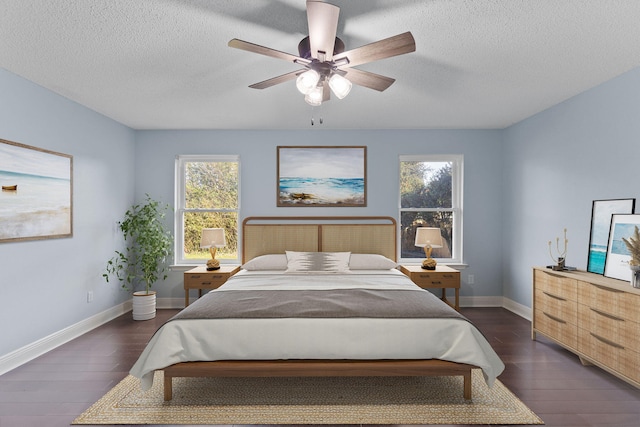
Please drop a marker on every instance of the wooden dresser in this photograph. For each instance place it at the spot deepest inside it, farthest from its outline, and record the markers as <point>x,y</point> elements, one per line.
<point>593,316</point>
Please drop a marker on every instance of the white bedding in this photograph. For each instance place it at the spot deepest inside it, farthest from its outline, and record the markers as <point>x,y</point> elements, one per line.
<point>454,340</point>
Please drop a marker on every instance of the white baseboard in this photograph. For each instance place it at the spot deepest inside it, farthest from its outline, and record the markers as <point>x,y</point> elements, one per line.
<point>517,308</point>
<point>38,348</point>
<point>480,301</point>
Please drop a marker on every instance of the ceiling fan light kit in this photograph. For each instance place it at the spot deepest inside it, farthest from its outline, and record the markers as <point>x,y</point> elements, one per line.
<point>307,81</point>
<point>340,86</point>
<point>327,66</point>
<point>314,97</point>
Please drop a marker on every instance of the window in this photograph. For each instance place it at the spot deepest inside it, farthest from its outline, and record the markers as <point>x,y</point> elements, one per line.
<point>431,196</point>
<point>207,196</point>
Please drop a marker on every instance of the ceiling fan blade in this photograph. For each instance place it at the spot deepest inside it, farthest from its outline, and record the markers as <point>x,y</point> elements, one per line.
<point>367,79</point>
<point>386,48</point>
<point>322,19</point>
<point>277,80</point>
<point>256,48</point>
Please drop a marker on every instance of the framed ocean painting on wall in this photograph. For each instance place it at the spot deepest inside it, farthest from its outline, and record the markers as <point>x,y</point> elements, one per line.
<point>601,212</point>
<point>618,255</point>
<point>322,176</point>
<point>36,197</point>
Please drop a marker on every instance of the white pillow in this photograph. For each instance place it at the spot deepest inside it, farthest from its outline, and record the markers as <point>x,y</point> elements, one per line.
<point>371,262</point>
<point>267,262</point>
<point>324,262</point>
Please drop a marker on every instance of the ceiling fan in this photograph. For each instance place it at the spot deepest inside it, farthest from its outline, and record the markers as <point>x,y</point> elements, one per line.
<point>327,66</point>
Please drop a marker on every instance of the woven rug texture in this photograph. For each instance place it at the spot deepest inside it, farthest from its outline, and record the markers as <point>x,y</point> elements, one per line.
<point>355,400</point>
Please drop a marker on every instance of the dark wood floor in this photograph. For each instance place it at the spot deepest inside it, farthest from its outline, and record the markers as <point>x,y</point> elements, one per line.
<point>57,387</point>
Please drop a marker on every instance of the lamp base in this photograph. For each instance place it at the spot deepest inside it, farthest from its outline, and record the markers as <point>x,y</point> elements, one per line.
<point>429,264</point>
<point>213,264</point>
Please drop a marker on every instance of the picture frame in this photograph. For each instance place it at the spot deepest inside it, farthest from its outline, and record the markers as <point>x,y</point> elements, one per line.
<point>618,256</point>
<point>36,200</point>
<point>310,176</point>
<point>601,212</point>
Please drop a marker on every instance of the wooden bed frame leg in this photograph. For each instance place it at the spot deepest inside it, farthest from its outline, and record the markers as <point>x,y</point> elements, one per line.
<point>467,385</point>
<point>168,387</point>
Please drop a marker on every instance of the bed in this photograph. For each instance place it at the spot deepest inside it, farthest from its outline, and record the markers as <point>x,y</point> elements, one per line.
<point>354,313</point>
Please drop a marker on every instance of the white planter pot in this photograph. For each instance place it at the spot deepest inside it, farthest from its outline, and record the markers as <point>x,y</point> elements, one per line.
<point>144,305</point>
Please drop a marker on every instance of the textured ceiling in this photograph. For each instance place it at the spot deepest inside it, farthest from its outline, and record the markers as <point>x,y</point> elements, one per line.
<point>165,64</point>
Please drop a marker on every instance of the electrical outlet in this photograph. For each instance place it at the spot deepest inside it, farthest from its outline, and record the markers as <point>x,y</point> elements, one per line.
<point>471,279</point>
<point>90,296</point>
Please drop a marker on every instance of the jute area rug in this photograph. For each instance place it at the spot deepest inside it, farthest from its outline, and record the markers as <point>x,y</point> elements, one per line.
<point>386,400</point>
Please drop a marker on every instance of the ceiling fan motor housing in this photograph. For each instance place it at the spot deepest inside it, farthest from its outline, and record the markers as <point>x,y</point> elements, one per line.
<point>304,47</point>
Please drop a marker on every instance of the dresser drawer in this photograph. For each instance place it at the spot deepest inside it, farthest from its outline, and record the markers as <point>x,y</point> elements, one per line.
<point>557,328</point>
<point>615,329</point>
<point>558,307</point>
<point>606,351</point>
<point>562,287</point>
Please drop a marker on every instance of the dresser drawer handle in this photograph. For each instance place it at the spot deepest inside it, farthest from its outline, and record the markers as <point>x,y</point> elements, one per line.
<point>424,276</point>
<point>555,275</point>
<point>610,316</point>
<point>553,296</point>
<point>604,288</point>
<point>205,283</point>
<point>606,341</point>
<point>557,319</point>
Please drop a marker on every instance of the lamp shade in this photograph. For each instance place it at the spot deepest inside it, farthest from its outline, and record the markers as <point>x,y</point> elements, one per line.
<point>340,86</point>
<point>213,237</point>
<point>307,81</point>
<point>428,237</point>
<point>314,97</point>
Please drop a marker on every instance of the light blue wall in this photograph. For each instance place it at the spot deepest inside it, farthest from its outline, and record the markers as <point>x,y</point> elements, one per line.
<point>555,164</point>
<point>156,152</point>
<point>522,186</point>
<point>44,283</point>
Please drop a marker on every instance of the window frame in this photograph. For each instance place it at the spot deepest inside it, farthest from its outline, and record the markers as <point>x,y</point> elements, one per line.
<point>180,204</point>
<point>457,186</point>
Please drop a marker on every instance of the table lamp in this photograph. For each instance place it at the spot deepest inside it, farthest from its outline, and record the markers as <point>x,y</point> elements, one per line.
<point>428,238</point>
<point>213,238</point>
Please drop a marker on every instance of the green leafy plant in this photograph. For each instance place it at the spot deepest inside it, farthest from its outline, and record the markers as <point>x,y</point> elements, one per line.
<point>148,247</point>
<point>633,244</point>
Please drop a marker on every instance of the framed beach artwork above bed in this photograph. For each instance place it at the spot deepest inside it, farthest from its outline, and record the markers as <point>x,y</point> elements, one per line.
<point>322,176</point>
<point>601,213</point>
<point>36,201</point>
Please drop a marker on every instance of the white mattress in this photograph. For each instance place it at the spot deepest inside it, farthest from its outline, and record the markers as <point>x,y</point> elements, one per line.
<point>454,340</point>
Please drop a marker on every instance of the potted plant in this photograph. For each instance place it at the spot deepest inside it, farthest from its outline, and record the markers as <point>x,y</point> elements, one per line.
<point>146,255</point>
<point>633,244</point>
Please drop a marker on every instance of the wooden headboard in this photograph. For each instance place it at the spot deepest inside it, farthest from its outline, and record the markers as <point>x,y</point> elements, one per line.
<point>357,234</point>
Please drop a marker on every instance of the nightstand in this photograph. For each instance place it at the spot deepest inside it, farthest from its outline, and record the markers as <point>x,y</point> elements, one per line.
<point>199,278</point>
<point>442,277</point>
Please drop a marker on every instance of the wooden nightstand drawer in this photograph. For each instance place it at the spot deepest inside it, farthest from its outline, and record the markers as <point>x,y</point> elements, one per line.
<point>198,280</point>
<point>436,280</point>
